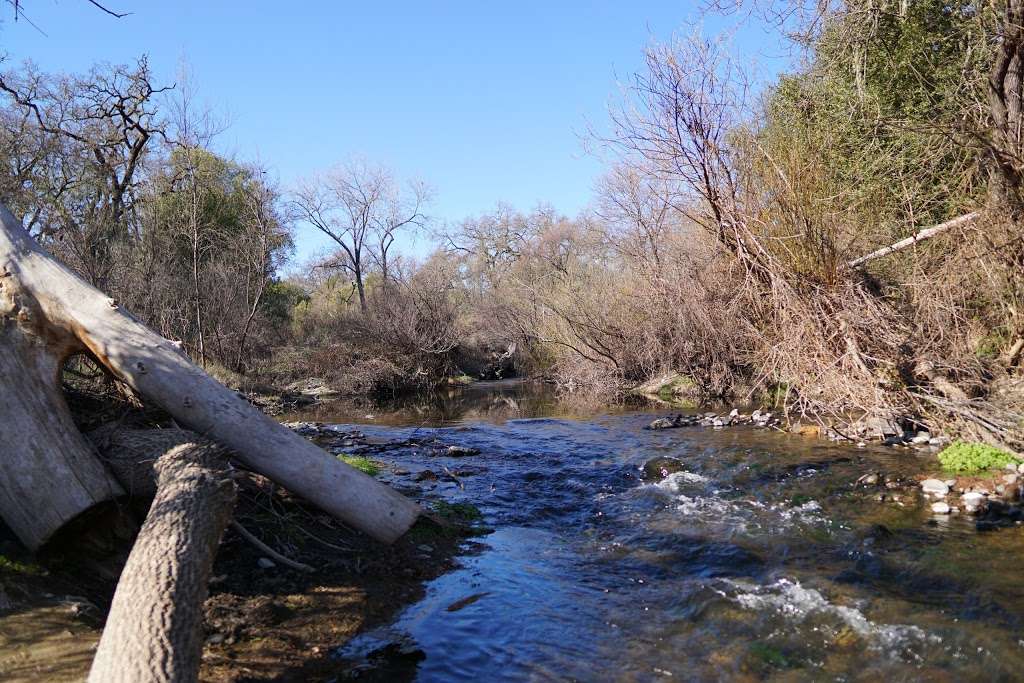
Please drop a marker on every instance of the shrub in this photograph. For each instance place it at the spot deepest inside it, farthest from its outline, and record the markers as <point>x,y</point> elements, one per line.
<point>964,457</point>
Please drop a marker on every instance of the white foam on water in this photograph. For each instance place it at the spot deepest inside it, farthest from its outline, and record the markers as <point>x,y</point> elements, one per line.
<point>675,482</point>
<point>797,603</point>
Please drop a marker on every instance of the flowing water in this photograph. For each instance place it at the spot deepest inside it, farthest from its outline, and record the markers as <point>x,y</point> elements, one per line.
<point>758,561</point>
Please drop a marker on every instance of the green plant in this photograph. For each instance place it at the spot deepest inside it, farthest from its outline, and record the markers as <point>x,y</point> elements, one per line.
<point>963,457</point>
<point>361,463</point>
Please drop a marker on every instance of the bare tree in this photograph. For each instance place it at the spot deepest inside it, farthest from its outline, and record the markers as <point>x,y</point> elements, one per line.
<point>362,208</point>
<point>98,127</point>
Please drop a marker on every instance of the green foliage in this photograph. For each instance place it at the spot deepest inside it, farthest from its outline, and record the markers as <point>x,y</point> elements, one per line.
<point>966,458</point>
<point>361,463</point>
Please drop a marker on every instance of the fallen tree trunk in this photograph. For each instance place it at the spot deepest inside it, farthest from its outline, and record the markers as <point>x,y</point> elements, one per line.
<point>62,305</point>
<point>48,472</point>
<point>154,630</point>
<point>927,233</point>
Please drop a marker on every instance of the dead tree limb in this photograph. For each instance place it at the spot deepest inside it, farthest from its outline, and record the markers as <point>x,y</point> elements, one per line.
<point>925,234</point>
<point>56,303</point>
<point>154,630</point>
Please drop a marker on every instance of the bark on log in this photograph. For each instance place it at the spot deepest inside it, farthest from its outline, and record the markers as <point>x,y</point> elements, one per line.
<point>48,471</point>
<point>154,630</point>
<point>155,369</point>
<point>927,233</point>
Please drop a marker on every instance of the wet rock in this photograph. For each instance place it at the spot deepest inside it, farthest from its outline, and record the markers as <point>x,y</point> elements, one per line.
<point>662,423</point>
<point>426,475</point>
<point>660,467</point>
<point>869,479</point>
<point>921,438</point>
<point>878,427</point>
<point>461,451</point>
<point>265,563</point>
<point>941,508</point>
<point>973,502</point>
<point>934,487</point>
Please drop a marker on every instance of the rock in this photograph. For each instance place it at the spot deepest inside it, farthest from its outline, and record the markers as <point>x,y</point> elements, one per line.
<point>660,467</point>
<point>1010,467</point>
<point>973,502</point>
<point>938,441</point>
<point>426,475</point>
<point>870,479</point>
<point>734,413</point>
<point>941,508</point>
<point>950,483</point>
<point>265,563</point>
<point>921,438</point>
<point>1010,478</point>
<point>934,487</point>
<point>425,548</point>
<point>461,451</point>
<point>877,427</point>
<point>1020,468</point>
<point>663,423</point>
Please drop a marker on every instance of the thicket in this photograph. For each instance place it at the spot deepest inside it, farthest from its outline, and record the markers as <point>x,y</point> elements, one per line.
<point>725,244</point>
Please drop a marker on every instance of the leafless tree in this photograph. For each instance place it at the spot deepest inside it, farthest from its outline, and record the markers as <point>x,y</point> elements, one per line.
<point>362,208</point>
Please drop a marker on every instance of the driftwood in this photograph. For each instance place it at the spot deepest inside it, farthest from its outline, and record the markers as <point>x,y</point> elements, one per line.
<point>48,473</point>
<point>925,234</point>
<point>154,630</point>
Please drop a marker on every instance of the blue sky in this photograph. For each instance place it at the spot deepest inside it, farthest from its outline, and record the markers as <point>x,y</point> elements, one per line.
<point>487,102</point>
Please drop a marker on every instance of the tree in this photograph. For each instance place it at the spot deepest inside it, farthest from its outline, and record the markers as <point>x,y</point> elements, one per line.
<point>362,209</point>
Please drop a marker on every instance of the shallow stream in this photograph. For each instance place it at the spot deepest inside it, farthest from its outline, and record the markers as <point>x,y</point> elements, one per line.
<point>760,560</point>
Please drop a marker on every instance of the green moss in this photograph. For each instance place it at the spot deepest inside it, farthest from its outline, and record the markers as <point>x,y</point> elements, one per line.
<point>967,458</point>
<point>465,512</point>
<point>361,463</point>
<point>770,656</point>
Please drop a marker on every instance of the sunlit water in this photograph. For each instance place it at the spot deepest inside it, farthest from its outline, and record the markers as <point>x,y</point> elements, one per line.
<point>759,561</point>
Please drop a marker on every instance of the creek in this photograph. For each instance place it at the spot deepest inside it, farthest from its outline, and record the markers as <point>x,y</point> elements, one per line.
<point>760,559</point>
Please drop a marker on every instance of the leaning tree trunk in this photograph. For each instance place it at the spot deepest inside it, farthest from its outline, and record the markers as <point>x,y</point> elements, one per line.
<point>154,630</point>
<point>47,477</point>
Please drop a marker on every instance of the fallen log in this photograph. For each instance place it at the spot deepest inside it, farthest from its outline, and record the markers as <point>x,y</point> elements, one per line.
<point>921,236</point>
<point>153,633</point>
<point>59,304</point>
<point>48,472</point>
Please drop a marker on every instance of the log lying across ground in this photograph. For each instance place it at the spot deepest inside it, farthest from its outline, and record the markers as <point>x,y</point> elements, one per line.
<point>47,313</point>
<point>154,629</point>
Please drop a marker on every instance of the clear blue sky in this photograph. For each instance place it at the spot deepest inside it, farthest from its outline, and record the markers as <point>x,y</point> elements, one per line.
<point>487,102</point>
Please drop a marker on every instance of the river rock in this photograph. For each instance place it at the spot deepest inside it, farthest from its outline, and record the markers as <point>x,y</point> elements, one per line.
<point>660,467</point>
<point>934,487</point>
<point>921,438</point>
<point>941,508</point>
<point>973,502</point>
<point>461,451</point>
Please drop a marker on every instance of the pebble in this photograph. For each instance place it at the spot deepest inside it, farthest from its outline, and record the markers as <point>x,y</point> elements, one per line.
<point>941,508</point>
<point>934,487</point>
<point>265,563</point>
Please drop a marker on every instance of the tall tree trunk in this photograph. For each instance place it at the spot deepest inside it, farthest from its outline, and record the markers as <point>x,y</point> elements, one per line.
<point>154,630</point>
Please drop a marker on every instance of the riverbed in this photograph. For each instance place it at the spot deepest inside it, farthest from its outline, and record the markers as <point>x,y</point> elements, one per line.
<point>759,559</point>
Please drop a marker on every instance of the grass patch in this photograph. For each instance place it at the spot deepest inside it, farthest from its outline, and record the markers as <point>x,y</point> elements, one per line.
<point>968,458</point>
<point>361,463</point>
